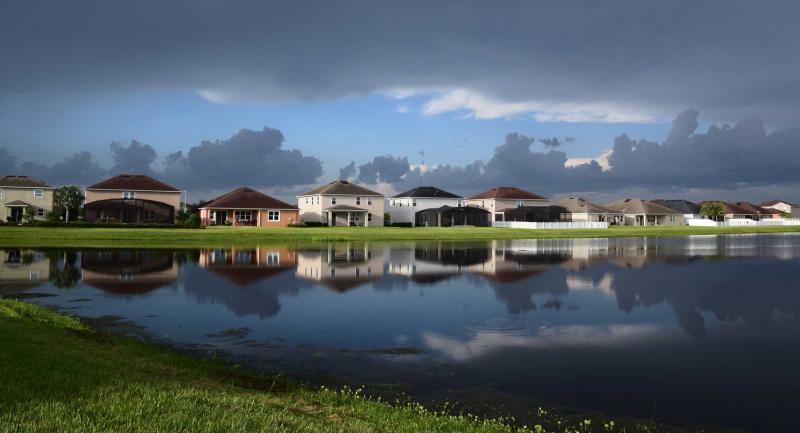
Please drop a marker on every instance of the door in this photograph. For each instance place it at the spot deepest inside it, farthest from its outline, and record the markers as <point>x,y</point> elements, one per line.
<point>16,213</point>
<point>222,216</point>
<point>128,216</point>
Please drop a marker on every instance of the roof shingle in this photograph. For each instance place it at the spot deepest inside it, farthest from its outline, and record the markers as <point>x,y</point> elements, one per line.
<point>427,192</point>
<point>508,192</point>
<point>133,182</point>
<point>637,206</point>
<point>581,205</point>
<point>247,198</point>
<point>22,182</point>
<point>341,187</point>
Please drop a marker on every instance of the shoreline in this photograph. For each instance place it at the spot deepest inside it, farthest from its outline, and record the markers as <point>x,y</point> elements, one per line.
<point>251,236</point>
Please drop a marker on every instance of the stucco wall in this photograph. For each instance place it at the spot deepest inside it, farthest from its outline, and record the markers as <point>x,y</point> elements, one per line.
<point>172,198</point>
<point>26,195</point>
<point>312,211</point>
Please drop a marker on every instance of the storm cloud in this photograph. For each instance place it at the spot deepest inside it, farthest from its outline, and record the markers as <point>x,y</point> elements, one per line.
<point>567,61</point>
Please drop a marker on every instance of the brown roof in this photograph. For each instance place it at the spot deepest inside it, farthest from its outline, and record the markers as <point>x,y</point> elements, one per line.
<point>638,206</point>
<point>776,201</point>
<point>341,187</point>
<point>508,192</point>
<point>755,209</point>
<point>22,181</point>
<point>730,208</point>
<point>581,205</point>
<point>133,182</point>
<point>247,198</point>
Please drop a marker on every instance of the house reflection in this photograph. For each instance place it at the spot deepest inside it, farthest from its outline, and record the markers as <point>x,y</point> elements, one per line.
<point>429,263</point>
<point>128,272</point>
<point>244,266</point>
<point>22,269</point>
<point>341,266</point>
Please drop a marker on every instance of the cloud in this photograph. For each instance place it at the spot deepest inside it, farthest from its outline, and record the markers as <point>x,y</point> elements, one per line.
<point>581,61</point>
<point>551,142</point>
<point>8,162</point>
<point>134,157</point>
<point>348,171</point>
<point>384,169</point>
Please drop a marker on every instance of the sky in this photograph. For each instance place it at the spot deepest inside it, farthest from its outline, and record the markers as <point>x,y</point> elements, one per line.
<point>691,99</point>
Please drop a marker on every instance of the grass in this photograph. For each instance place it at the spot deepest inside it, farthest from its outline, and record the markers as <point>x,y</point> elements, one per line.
<point>251,236</point>
<point>57,374</point>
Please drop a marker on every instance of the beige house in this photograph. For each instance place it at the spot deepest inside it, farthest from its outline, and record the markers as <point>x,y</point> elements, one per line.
<point>23,269</point>
<point>341,266</point>
<point>341,203</point>
<point>132,199</point>
<point>784,206</point>
<point>581,209</point>
<point>501,198</point>
<point>638,212</point>
<point>20,193</point>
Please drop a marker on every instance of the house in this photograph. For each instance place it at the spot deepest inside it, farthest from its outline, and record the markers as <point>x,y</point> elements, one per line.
<point>536,214</point>
<point>732,211</point>
<point>132,199</point>
<point>762,212</point>
<point>580,209</point>
<point>19,194</point>
<point>501,198</point>
<point>638,212</point>
<point>687,208</point>
<point>22,269</point>
<point>128,272</point>
<point>783,206</point>
<point>247,207</point>
<point>341,203</point>
<point>404,207</point>
<point>449,216</point>
<point>341,266</point>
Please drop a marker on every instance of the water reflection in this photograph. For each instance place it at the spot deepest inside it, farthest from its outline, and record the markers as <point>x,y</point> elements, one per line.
<point>601,316</point>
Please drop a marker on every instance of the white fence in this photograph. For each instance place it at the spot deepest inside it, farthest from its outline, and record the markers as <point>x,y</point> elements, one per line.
<point>564,225</point>
<point>742,222</point>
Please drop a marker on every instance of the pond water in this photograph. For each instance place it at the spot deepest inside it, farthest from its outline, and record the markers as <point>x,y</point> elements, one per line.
<point>690,330</point>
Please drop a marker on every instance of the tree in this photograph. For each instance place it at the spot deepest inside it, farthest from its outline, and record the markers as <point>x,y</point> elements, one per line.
<point>713,210</point>
<point>67,201</point>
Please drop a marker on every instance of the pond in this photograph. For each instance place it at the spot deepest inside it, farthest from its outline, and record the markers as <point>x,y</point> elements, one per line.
<point>685,330</point>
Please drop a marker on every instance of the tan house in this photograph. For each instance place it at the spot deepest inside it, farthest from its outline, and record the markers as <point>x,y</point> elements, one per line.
<point>247,207</point>
<point>501,198</point>
<point>341,203</point>
<point>20,193</point>
<point>784,206</point>
<point>638,212</point>
<point>341,266</point>
<point>132,199</point>
<point>580,209</point>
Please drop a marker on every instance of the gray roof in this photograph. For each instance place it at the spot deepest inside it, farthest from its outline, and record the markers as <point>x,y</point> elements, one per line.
<point>345,208</point>
<point>581,205</point>
<point>427,192</point>
<point>17,203</point>
<point>341,187</point>
<point>22,181</point>
<point>682,206</point>
<point>637,206</point>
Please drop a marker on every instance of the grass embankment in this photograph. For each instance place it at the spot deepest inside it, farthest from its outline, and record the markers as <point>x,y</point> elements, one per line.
<point>228,236</point>
<point>56,374</point>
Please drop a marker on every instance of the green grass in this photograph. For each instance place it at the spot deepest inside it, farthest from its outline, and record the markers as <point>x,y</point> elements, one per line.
<point>58,375</point>
<point>228,236</point>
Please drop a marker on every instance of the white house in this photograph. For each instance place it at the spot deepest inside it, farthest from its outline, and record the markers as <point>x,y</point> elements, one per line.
<point>500,198</point>
<point>404,206</point>
<point>341,203</point>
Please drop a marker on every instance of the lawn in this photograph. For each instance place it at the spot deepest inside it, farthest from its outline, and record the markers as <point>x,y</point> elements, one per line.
<point>58,375</point>
<point>226,236</point>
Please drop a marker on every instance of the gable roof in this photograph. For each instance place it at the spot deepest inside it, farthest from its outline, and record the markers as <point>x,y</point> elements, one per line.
<point>682,206</point>
<point>133,182</point>
<point>755,209</point>
<point>776,201</point>
<point>341,187</point>
<point>247,198</point>
<point>508,192</point>
<point>22,181</point>
<point>639,206</point>
<point>581,205</point>
<point>730,208</point>
<point>427,192</point>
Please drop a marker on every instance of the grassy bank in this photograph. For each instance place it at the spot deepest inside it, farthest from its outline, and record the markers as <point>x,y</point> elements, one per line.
<point>56,374</point>
<point>116,237</point>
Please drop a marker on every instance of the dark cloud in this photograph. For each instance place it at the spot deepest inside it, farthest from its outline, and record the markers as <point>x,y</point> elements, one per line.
<point>738,59</point>
<point>386,168</point>
<point>8,162</point>
<point>348,171</point>
<point>134,157</point>
<point>551,142</point>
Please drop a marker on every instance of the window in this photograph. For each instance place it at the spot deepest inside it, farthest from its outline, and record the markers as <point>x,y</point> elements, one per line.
<point>33,276</point>
<point>38,193</point>
<point>413,202</point>
<point>519,203</point>
<point>273,258</point>
<point>358,200</point>
<point>333,200</point>
<point>483,204</point>
<point>214,216</point>
<point>369,201</point>
<point>306,200</point>
<point>369,217</point>
<point>274,215</point>
<point>391,202</point>
<point>672,218</point>
<point>460,203</point>
<point>129,195</point>
<point>40,212</point>
<point>1,193</point>
<point>149,215</point>
<point>243,215</point>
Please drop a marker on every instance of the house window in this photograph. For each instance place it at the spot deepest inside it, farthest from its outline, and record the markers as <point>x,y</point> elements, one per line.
<point>243,215</point>
<point>33,276</point>
<point>651,219</point>
<point>358,200</point>
<point>460,203</point>
<point>369,217</point>
<point>38,193</point>
<point>369,201</point>
<point>483,204</point>
<point>149,215</point>
<point>672,218</point>
<point>129,195</point>
<point>333,200</point>
<point>274,215</point>
<point>519,203</point>
<point>214,216</point>
<point>40,212</point>
<point>413,202</point>
<point>306,200</point>
<point>273,258</point>
<point>1,193</point>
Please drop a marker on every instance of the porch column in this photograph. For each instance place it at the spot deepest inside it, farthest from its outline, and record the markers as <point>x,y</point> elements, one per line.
<point>258,218</point>
<point>348,218</point>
